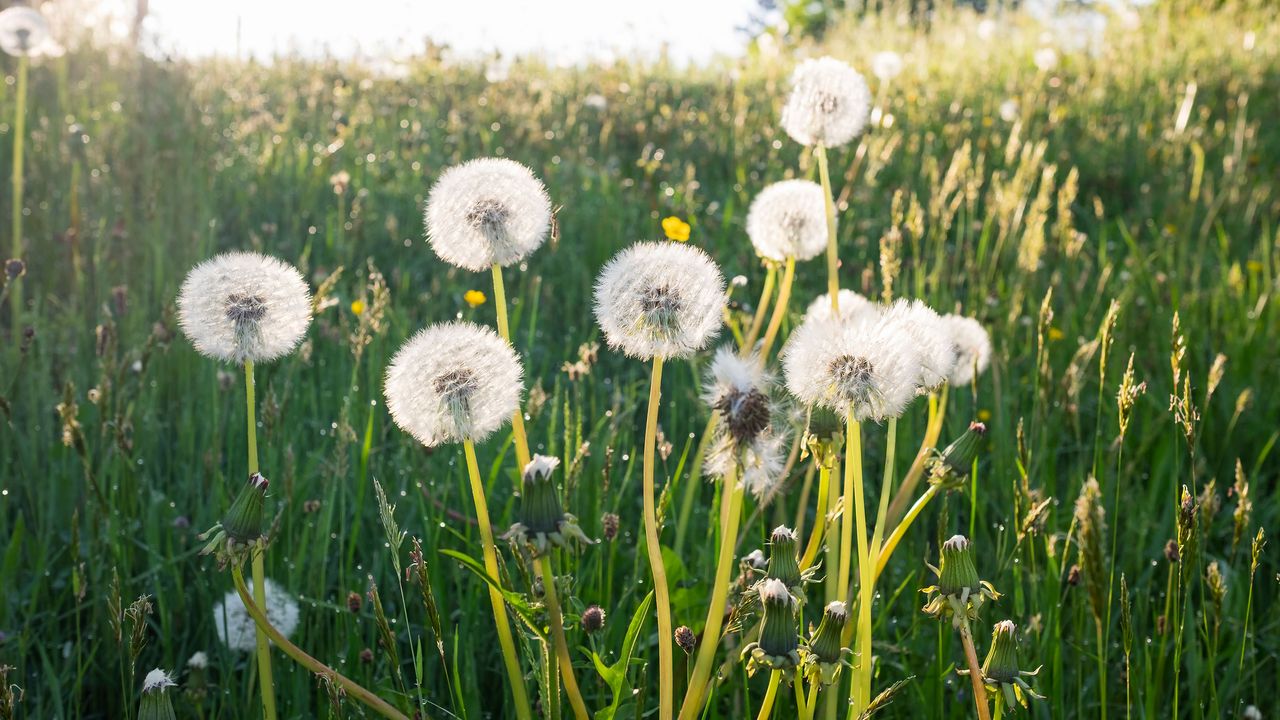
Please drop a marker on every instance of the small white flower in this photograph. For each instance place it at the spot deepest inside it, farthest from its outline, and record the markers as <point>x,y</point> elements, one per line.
<point>973,348</point>
<point>596,102</point>
<point>871,366</point>
<point>485,212</point>
<point>453,382</point>
<point>886,65</point>
<point>933,338</point>
<point>23,30</point>
<point>198,660</point>
<point>788,219</point>
<point>156,681</point>
<point>244,306</point>
<point>659,299</point>
<point>1009,110</point>
<point>829,103</point>
<point>853,307</point>
<point>236,628</point>
<point>1046,59</point>
<point>987,29</point>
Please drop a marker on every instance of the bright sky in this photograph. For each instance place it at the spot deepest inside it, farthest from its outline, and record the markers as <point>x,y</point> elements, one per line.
<point>562,30</point>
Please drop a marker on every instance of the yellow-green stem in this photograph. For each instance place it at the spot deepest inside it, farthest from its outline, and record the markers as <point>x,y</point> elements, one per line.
<point>819,520</point>
<point>694,696</point>
<point>259,564</point>
<point>898,532</point>
<point>515,679</point>
<point>352,688</point>
<point>561,644</point>
<point>868,572</point>
<point>762,307</point>
<point>19,137</point>
<point>766,707</point>
<point>975,671</point>
<point>853,485</point>
<point>933,428</point>
<point>779,310</point>
<point>833,258</point>
<point>852,490</point>
<point>802,702</point>
<point>666,677</point>
<point>504,329</point>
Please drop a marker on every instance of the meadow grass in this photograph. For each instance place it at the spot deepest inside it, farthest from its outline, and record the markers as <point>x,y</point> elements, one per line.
<point>1123,206</point>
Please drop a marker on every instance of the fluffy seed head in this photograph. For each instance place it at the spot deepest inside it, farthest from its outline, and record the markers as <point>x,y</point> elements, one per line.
<point>738,390</point>
<point>829,103</point>
<point>22,30</point>
<point>853,307</point>
<point>156,681</point>
<point>198,660</point>
<point>659,299</point>
<point>453,381</point>
<point>236,628</point>
<point>871,365</point>
<point>485,212</point>
<point>886,65</point>
<point>972,347</point>
<point>932,337</point>
<point>243,306</point>
<point>788,219</point>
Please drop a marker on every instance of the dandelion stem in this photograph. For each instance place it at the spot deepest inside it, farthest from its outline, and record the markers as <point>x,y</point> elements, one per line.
<point>852,491</point>
<point>654,548</point>
<point>259,564</point>
<point>779,310</point>
<point>762,307</point>
<point>504,329</point>
<point>975,671</point>
<point>933,428</point>
<point>869,573</point>
<point>694,697</point>
<point>898,532</point>
<point>802,702</point>
<point>514,677</point>
<point>820,519</point>
<point>264,625</point>
<point>766,707</point>
<point>695,474</point>
<point>19,136</point>
<point>562,645</point>
<point>833,259</point>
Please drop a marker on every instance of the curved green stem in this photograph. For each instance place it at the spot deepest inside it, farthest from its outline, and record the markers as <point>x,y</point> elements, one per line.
<point>265,680</point>
<point>762,307</point>
<point>833,258</point>
<point>779,310</point>
<point>515,679</point>
<point>766,707</point>
<point>352,688</point>
<point>517,419</point>
<point>933,428</point>
<point>898,532</point>
<point>561,644</point>
<point>662,596</point>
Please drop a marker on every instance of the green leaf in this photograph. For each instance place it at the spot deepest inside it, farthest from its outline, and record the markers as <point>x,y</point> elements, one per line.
<point>515,601</point>
<point>615,676</point>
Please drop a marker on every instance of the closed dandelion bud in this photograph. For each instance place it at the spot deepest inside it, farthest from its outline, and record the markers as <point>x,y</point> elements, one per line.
<point>825,643</point>
<point>156,704</point>
<point>686,640</point>
<point>958,574</point>
<point>14,268</point>
<point>960,454</point>
<point>243,523</point>
<point>593,619</point>
<point>543,523</point>
<point>1001,672</point>
<point>778,638</point>
<point>784,564</point>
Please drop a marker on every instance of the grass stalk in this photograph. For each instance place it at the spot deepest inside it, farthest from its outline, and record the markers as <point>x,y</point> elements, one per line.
<point>819,520</point>
<point>558,637</point>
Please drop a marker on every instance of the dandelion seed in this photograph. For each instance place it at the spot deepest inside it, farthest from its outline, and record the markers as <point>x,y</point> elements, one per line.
<point>853,307</point>
<point>243,306</point>
<point>829,103</point>
<point>23,31</point>
<point>886,65</point>
<point>236,628</point>
<point>933,339</point>
<point>788,219</point>
<point>675,229</point>
<point>871,365</point>
<point>486,212</point>
<point>659,300</point>
<point>453,382</point>
<point>973,349</point>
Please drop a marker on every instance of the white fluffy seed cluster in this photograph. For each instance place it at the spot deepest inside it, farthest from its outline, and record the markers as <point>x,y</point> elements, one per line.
<point>739,389</point>
<point>788,219</point>
<point>972,347</point>
<point>870,366</point>
<point>23,30</point>
<point>886,65</point>
<point>452,382</point>
<point>853,307</point>
<point>485,212</point>
<point>659,299</point>
<point>236,628</point>
<point>242,306</point>
<point>934,345</point>
<point>829,103</point>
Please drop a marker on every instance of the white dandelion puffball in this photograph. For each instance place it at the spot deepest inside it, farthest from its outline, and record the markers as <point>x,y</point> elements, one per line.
<point>491,211</point>
<point>1046,59</point>
<point>829,103</point>
<point>870,366</point>
<point>886,65</point>
<point>934,341</point>
<point>157,680</point>
<point>22,30</point>
<point>853,307</point>
<point>243,306</point>
<point>972,346</point>
<point>659,299</point>
<point>236,628</point>
<point>788,219</point>
<point>452,382</point>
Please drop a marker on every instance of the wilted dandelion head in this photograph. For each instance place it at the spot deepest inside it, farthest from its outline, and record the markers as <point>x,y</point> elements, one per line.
<point>758,464</point>
<point>933,339</point>
<point>157,681</point>
<point>853,307</point>
<point>243,306</point>
<point>236,628</point>
<point>871,366</point>
<point>788,219</point>
<point>22,30</point>
<point>972,347</point>
<point>659,300</point>
<point>886,65</point>
<point>453,381</point>
<point>486,212</point>
<point>737,388</point>
<point>829,103</point>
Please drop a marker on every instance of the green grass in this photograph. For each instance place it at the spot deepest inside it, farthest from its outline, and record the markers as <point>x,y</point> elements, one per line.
<point>1161,215</point>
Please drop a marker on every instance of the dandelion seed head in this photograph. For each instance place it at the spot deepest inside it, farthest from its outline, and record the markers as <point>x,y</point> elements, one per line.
<point>886,65</point>
<point>452,382</point>
<point>198,660</point>
<point>236,628</point>
<point>485,212</point>
<point>972,347</point>
<point>870,365</point>
<point>829,103</point>
<point>23,30</point>
<point>788,219</point>
<point>933,339</point>
<point>853,307</point>
<point>737,388</point>
<point>242,306</point>
<point>659,300</point>
<point>157,680</point>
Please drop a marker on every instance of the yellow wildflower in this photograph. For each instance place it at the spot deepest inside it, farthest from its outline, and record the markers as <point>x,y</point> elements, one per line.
<point>1055,334</point>
<point>357,306</point>
<point>675,228</point>
<point>984,415</point>
<point>474,298</point>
